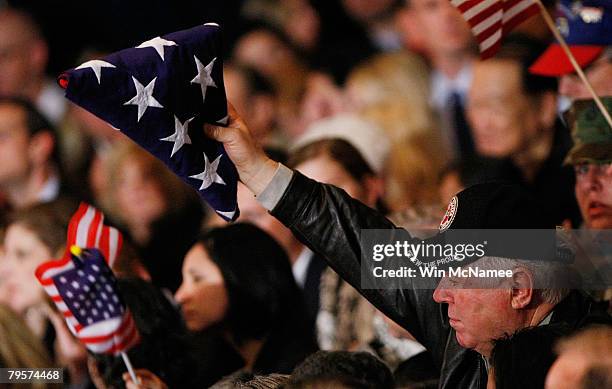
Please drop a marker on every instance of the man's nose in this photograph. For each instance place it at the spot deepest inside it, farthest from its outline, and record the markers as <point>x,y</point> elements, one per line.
<point>442,294</point>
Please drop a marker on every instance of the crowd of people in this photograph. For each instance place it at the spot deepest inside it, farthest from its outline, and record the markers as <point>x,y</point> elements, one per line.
<point>344,115</point>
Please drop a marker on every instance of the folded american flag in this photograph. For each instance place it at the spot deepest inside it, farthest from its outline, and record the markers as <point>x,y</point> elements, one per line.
<point>490,20</point>
<point>160,93</point>
<point>84,289</point>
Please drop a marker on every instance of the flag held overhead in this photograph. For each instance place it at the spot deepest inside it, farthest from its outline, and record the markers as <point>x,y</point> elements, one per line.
<point>160,93</point>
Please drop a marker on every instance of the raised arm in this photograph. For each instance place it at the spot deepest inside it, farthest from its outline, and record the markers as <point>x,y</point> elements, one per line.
<point>329,222</point>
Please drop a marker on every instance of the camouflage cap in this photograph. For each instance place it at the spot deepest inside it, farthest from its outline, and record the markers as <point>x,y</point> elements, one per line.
<point>591,133</point>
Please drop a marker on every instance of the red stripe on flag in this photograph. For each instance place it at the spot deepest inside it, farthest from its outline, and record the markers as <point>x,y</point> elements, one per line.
<point>488,53</point>
<point>41,270</point>
<point>484,35</point>
<point>520,18</point>
<point>74,224</point>
<point>94,227</point>
<point>125,322</point>
<point>489,11</point>
<point>463,7</point>
<point>484,14</point>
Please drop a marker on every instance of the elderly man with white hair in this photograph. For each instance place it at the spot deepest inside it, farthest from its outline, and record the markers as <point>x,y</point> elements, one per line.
<point>457,325</point>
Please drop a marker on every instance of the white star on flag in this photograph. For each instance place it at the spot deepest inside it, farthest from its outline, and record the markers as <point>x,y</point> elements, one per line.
<point>158,44</point>
<point>180,136</point>
<point>229,215</point>
<point>96,65</point>
<point>209,175</point>
<point>223,120</point>
<point>144,97</point>
<point>204,78</point>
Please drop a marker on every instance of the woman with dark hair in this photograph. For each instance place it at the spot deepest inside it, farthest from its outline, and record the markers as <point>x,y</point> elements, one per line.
<point>240,299</point>
<point>238,291</point>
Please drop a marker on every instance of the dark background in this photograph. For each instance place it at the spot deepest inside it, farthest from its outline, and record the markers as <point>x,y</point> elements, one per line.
<point>109,25</point>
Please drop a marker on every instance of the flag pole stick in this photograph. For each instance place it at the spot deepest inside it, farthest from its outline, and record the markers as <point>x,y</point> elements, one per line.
<point>128,364</point>
<point>553,29</point>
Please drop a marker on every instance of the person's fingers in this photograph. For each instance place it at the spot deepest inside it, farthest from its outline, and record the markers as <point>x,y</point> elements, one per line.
<point>220,134</point>
<point>146,380</point>
<point>131,385</point>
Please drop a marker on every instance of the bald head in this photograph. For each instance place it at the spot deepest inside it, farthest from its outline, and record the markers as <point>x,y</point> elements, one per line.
<point>23,54</point>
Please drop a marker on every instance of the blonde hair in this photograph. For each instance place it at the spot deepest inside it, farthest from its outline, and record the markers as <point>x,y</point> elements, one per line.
<point>412,170</point>
<point>19,347</point>
<point>401,74</point>
<point>393,90</point>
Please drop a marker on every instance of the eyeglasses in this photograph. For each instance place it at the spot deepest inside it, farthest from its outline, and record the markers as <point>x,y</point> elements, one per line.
<point>598,168</point>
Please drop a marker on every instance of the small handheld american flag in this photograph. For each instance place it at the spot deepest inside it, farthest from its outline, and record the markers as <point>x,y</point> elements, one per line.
<point>491,20</point>
<point>160,93</point>
<point>84,289</point>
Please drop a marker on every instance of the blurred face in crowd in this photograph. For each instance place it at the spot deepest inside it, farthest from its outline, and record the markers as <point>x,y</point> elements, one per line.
<point>366,9</point>
<point>441,28</point>
<point>328,171</point>
<point>22,56</point>
<point>24,251</point>
<point>594,194</point>
<point>202,295</point>
<point>301,24</point>
<point>14,144</point>
<point>566,372</point>
<point>257,109</point>
<point>503,118</point>
<point>478,316</point>
<point>237,90</point>
<point>263,51</point>
<point>599,74</point>
<point>138,193</point>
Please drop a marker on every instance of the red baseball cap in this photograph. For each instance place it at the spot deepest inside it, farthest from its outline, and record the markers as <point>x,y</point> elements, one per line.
<point>555,63</point>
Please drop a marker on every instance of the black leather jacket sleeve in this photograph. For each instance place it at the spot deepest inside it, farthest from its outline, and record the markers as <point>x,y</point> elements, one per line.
<point>329,222</point>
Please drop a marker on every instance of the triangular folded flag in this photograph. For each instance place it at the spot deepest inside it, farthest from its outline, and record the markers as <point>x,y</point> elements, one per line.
<point>84,288</point>
<point>160,93</point>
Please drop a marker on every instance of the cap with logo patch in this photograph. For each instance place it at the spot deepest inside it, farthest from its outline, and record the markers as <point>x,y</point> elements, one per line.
<point>507,217</point>
<point>495,205</point>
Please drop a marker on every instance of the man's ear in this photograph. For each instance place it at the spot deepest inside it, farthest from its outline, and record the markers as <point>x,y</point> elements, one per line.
<point>522,288</point>
<point>41,147</point>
